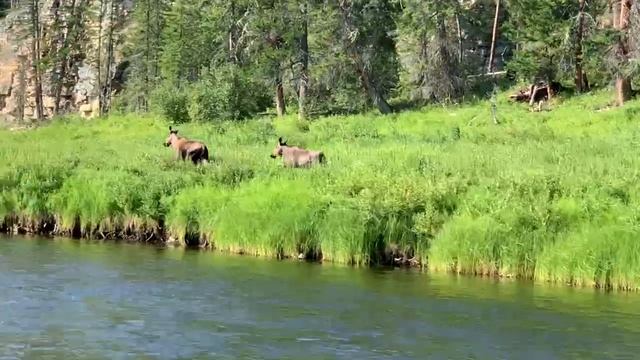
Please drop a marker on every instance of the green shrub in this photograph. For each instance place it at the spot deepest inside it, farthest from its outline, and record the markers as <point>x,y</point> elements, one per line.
<point>172,103</point>
<point>226,93</point>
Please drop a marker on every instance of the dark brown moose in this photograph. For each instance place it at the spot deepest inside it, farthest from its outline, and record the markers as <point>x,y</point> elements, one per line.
<point>193,150</point>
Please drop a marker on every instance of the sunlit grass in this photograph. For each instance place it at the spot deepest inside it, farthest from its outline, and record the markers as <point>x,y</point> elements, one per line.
<point>551,196</point>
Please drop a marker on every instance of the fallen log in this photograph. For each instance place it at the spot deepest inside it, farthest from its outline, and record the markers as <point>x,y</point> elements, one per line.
<point>537,93</point>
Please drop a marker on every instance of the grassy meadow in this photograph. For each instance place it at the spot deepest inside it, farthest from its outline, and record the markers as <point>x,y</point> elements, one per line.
<point>551,196</point>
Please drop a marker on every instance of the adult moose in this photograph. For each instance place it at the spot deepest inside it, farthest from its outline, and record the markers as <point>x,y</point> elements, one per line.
<point>294,156</point>
<point>185,149</point>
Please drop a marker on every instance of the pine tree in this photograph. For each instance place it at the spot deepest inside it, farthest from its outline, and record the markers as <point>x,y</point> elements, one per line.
<point>144,48</point>
<point>426,45</point>
<point>303,48</point>
<point>540,29</point>
<point>365,37</point>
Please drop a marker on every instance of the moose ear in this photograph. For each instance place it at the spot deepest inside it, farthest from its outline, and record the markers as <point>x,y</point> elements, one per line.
<point>170,128</point>
<point>280,141</point>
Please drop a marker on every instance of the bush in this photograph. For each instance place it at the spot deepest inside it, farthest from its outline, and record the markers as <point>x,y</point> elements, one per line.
<point>226,93</point>
<point>172,103</point>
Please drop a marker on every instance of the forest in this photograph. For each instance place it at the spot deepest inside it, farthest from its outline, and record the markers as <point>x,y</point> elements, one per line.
<point>211,60</point>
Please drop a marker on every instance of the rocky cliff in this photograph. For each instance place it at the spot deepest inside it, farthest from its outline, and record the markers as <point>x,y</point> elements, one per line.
<point>76,61</point>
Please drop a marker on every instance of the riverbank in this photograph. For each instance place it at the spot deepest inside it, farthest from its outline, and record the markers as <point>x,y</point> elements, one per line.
<point>551,196</point>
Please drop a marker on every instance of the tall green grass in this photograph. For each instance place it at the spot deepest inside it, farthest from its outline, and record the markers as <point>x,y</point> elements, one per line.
<point>551,196</point>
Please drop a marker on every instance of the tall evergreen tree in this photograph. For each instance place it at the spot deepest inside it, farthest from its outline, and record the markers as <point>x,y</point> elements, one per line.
<point>366,28</point>
<point>427,46</point>
<point>144,48</point>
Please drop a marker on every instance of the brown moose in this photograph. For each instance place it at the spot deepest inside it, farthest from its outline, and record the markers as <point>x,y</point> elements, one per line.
<point>193,150</point>
<point>294,156</point>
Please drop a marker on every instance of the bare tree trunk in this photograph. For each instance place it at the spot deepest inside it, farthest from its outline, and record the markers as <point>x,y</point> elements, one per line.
<point>35,57</point>
<point>304,71</point>
<point>280,104</point>
<point>623,83</point>
<point>493,38</point>
<point>366,78</point>
<point>460,48</point>
<point>580,76</point>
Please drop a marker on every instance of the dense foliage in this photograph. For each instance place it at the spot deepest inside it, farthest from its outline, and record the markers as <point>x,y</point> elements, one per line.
<point>237,58</point>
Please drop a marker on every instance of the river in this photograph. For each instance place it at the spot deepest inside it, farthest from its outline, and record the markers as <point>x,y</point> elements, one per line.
<point>70,299</point>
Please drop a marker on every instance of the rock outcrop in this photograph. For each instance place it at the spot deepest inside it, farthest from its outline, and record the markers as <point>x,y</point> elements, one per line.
<point>74,66</point>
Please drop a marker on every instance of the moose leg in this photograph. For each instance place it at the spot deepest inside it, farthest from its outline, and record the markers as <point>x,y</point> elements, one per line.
<point>195,156</point>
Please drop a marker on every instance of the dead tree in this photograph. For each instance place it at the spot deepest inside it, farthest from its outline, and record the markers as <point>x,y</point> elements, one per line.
<point>493,38</point>
<point>537,93</point>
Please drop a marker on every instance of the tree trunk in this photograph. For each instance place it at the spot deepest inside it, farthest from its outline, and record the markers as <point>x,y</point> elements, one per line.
<point>69,38</point>
<point>365,75</point>
<point>99,57</point>
<point>35,57</point>
<point>147,72</point>
<point>448,83</point>
<point>280,104</point>
<point>232,33</point>
<point>580,77</point>
<point>304,59</point>
<point>106,103</point>
<point>623,83</point>
<point>460,48</point>
<point>56,50</point>
<point>370,87</point>
<point>158,39</point>
<point>493,38</point>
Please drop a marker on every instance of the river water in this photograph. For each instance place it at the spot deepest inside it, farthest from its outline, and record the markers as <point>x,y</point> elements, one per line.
<point>69,299</point>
